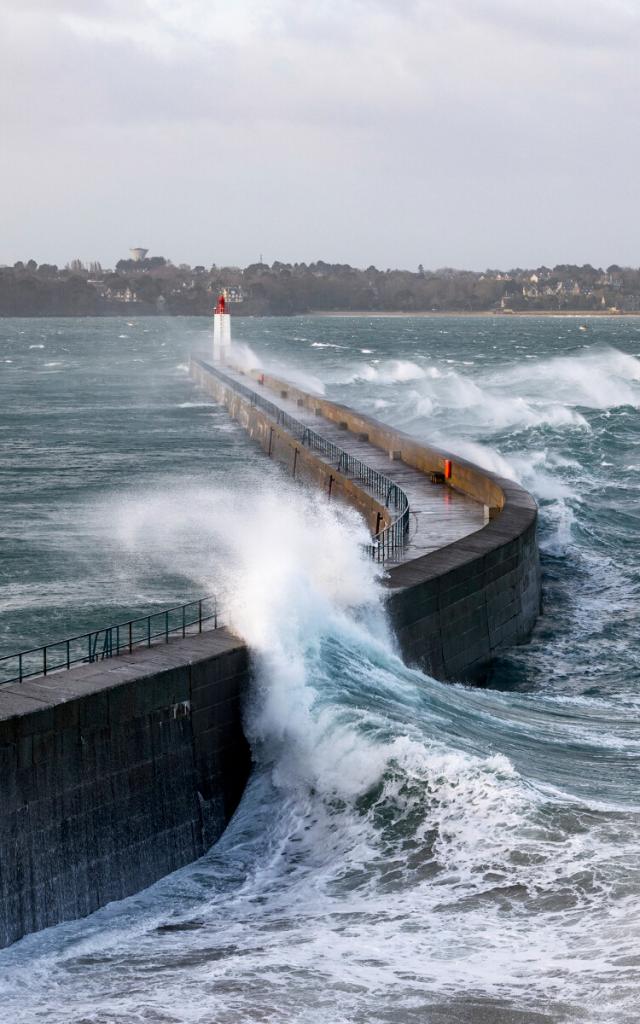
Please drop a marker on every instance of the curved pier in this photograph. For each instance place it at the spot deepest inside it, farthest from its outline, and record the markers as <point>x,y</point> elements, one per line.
<point>465,581</point>
<point>118,772</point>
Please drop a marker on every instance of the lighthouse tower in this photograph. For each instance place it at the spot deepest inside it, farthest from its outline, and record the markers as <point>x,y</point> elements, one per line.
<point>221,330</point>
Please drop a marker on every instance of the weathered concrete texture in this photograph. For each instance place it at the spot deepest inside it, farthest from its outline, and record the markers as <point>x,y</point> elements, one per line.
<point>115,774</point>
<point>454,610</point>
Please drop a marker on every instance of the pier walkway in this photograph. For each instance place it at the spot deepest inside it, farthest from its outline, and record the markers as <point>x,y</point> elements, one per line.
<point>130,765</point>
<point>438,514</point>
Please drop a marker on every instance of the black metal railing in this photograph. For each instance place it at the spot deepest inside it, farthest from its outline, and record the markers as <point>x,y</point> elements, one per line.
<point>110,641</point>
<point>386,543</point>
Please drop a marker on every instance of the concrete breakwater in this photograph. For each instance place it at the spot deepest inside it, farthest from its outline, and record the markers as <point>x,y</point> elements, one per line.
<point>456,606</point>
<point>117,773</point>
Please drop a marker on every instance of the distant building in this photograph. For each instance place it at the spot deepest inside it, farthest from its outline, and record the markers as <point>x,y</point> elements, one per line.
<point>138,254</point>
<point>232,293</point>
<point>120,294</point>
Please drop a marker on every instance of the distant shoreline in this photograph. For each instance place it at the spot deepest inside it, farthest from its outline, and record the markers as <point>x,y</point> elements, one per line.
<point>131,314</point>
<point>575,314</point>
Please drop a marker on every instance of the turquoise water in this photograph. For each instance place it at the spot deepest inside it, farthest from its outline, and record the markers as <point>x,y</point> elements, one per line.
<point>97,418</point>
<point>406,850</point>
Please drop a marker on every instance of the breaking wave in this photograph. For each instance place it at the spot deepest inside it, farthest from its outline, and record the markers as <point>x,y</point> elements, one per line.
<point>389,372</point>
<point>406,851</point>
<point>437,843</point>
<point>596,378</point>
<point>555,393</point>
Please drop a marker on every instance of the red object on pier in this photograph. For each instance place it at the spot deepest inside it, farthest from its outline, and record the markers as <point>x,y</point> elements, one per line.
<point>221,306</point>
<point>447,469</point>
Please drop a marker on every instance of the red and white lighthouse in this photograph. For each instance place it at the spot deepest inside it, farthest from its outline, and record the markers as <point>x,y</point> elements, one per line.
<point>221,329</point>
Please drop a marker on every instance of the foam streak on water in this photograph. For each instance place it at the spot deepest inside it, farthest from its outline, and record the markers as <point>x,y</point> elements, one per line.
<point>406,850</point>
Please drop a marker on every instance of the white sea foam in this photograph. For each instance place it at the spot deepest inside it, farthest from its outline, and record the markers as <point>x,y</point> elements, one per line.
<point>597,378</point>
<point>243,356</point>
<point>534,469</point>
<point>403,843</point>
<point>388,849</point>
<point>491,404</point>
<point>389,372</point>
<point>546,393</point>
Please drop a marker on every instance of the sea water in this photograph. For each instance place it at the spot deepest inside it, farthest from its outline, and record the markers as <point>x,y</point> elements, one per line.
<point>406,850</point>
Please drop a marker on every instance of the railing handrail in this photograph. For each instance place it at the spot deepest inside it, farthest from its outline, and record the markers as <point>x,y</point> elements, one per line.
<point>92,653</point>
<point>114,625</point>
<point>392,537</point>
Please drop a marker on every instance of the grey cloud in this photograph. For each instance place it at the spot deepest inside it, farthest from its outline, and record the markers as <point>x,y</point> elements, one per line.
<point>601,25</point>
<point>469,133</point>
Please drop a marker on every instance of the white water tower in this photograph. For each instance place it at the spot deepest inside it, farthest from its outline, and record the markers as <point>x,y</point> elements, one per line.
<point>138,254</point>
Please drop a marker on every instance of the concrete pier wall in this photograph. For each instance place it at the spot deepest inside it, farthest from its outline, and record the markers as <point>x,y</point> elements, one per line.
<point>115,774</point>
<point>455,608</point>
<point>279,445</point>
<point>466,477</point>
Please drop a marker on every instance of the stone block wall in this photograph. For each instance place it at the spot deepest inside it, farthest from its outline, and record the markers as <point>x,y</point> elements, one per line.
<point>454,613</point>
<point>452,609</point>
<point>116,774</point>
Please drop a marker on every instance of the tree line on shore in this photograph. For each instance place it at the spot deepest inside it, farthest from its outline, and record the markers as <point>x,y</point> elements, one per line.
<point>156,286</point>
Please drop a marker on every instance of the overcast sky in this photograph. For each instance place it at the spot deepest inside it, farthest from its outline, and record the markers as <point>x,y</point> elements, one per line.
<point>467,133</point>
